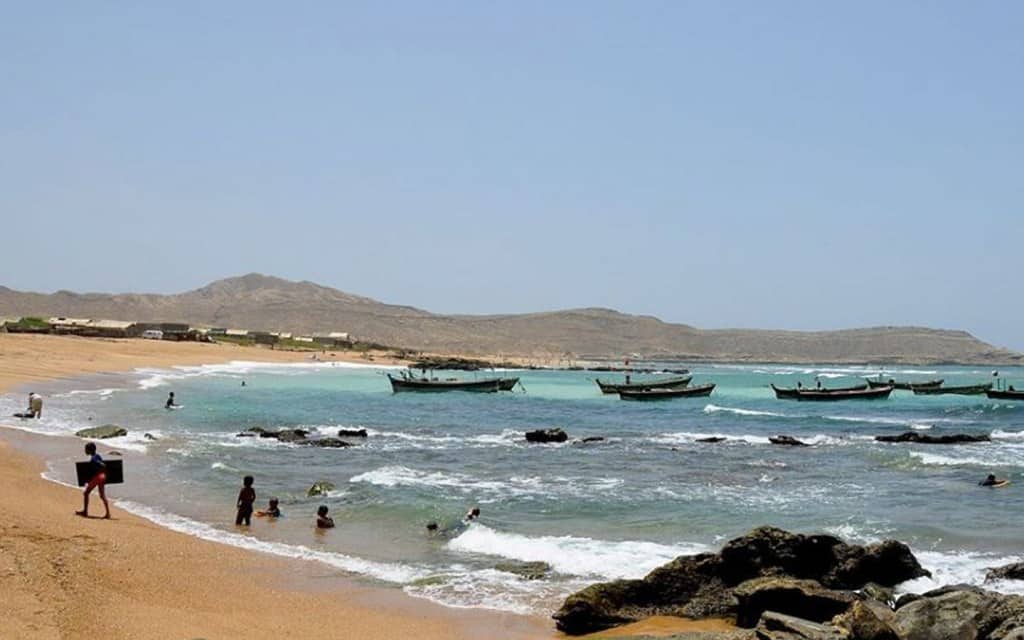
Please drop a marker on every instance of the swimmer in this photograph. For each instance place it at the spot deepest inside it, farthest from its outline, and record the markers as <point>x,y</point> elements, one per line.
<point>272,510</point>
<point>993,481</point>
<point>323,521</point>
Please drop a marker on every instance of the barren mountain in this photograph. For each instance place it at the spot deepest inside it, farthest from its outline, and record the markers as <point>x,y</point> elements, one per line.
<point>256,301</point>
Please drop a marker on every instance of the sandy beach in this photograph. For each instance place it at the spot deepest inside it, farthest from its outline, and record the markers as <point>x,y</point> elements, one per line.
<point>68,577</point>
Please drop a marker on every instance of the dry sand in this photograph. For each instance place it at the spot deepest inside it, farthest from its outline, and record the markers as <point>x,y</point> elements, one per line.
<point>66,577</point>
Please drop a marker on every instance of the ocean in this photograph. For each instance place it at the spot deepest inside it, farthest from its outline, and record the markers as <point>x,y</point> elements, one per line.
<point>596,511</point>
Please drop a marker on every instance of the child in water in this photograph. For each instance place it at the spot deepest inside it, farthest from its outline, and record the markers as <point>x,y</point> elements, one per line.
<point>97,479</point>
<point>246,498</point>
<point>323,521</point>
<point>272,511</point>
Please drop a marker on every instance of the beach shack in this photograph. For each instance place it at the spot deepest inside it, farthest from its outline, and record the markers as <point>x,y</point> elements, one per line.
<point>109,329</point>
<point>263,337</point>
<point>69,326</point>
<point>331,338</point>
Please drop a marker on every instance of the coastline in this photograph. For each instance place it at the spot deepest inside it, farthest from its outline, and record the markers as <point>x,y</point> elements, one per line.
<point>71,577</point>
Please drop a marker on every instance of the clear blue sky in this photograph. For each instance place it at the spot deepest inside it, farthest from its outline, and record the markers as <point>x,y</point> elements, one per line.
<point>797,165</point>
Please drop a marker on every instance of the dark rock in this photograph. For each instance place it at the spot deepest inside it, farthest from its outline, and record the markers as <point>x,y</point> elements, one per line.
<point>868,620</point>
<point>105,431</point>
<point>777,626</point>
<point>327,443</point>
<point>712,439</point>
<point>528,570</point>
<point>245,434</point>
<point>787,440</point>
<point>547,435</point>
<point>592,439</point>
<point>291,435</point>
<point>906,599</point>
<point>258,431</point>
<point>923,438</point>
<point>1013,571</point>
<point>352,433</point>
<point>702,586</point>
<point>1004,619</point>
<point>885,595</point>
<point>804,599</point>
<point>149,436</point>
<point>319,488</point>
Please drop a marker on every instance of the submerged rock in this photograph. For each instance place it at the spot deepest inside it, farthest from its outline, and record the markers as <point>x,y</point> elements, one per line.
<point>547,435</point>
<point>149,436</point>
<point>787,440</point>
<point>923,438</point>
<point>592,439</point>
<point>105,431</point>
<point>712,439</point>
<point>703,585</point>
<point>1013,571</point>
<point>352,433</point>
<point>329,443</point>
<point>319,488</point>
<point>528,570</point>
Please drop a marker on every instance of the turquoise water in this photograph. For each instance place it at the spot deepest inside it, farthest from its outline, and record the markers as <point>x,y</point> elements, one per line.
<point>593,511</point>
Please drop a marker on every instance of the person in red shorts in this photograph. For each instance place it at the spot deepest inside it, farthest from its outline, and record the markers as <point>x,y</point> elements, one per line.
<point>98,479</point>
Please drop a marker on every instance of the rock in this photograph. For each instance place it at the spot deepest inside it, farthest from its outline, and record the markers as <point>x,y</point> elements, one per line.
<point>149,436</point>
<point>327,443</point>
<point>950,613</point>
<point>777,626</point>
<point>258,431</point>
<point>528,570</point>
<point>291,435</point>
<point>319,488</point>
<point>868,620</point>
<point>711,439</point>
<point>787,440</point>
<point>805,599</point>
<point>923,438</point>
<point>245,434</point>
<point>592,439</point>
<point>547,435</point>
<point>352,433</point>
<point>885,595</point>
<point>99,433</point>
<point>702,586</point>
<point>1013,571</point>
<point>1004,619</point>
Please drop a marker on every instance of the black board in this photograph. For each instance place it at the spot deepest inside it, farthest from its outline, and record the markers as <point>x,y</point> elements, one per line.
<point>115,472</point>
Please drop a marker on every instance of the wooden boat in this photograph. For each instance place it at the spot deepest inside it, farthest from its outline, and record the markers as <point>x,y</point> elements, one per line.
<point>701,391</point>
<point>489,385</point>
<point>1005,394</point>
<point>790,394</point>
<point>905,386</point>
<point>664,383</point>
<point>852,394</point>
<point>965,390</point>
<point>507,384</point>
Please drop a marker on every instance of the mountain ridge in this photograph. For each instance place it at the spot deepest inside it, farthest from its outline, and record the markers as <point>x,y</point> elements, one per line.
<point>260,302</point>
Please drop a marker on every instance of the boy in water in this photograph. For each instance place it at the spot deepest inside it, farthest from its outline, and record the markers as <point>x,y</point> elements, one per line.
<point>246,498</point>
<point>97,479</point>
<point>272,511</point>
<point>323,521</point>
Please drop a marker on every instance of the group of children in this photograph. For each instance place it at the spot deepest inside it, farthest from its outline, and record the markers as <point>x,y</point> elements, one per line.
<point>247,498</point>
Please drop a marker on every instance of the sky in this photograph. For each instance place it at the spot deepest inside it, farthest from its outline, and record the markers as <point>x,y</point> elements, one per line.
<point>791,165</point>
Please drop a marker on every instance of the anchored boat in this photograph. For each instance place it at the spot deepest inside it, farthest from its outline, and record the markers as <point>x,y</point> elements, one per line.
<point>409,383</point>
<point>965,390</point>
<point>700,391</point>
<point>791,394</point>
<point>664,383</point>
<point>905,386</point>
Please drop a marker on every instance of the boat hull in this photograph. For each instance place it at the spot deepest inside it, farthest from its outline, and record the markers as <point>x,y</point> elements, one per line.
<point>701,391</point>
<point>1005,395</point>
<point>905,386</point>
<point>491,385</point>
<point>837,396</point>
<point>791,394</point>
<point>671,383</point>
<point>968,390</point>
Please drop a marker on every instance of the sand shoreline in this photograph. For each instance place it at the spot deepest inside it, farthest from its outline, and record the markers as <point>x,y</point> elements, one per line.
<point>70,577</point>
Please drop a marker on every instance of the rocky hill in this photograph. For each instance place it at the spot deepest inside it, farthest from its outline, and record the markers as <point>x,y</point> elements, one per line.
<point>256,301</point>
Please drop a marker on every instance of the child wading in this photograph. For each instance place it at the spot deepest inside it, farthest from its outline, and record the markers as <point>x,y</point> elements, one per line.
<point>246,498</point>
<point>97,479</point>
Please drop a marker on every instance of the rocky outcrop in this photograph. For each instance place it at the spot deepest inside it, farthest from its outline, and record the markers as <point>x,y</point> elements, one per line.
<point>961,612</point>
<point>868,620</point>
<point>1013,571</point>
<point>102,432</point>
<point>352,433</point>
<point>704,585</point>
<point>788,441</point>
<point>547,435</point>
<point>923,438</point>
<point>319,488</point>
<point>297,436</point>
<point>805,599</point>
<point>777,626</point>
<point>327,443</point>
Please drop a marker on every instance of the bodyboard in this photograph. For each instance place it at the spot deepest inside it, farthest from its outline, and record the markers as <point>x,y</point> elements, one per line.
<point>115,472</point>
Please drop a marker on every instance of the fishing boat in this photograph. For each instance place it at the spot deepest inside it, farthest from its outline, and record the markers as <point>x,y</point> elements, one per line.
<point>850,394</point>
<point>664,383</point>
<point>790,394</point>
<point>965,390</point>
<point>507,384</point>
<point>411,383</point>
<point>1005,394</point>
<point>905,386</point>
<point>700,391</point>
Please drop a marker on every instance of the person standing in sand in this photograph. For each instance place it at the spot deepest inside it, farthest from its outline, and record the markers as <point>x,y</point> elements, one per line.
<point>246,498</point>
<point>97,479</point>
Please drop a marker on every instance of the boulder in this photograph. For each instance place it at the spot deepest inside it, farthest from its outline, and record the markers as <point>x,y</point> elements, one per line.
<point>319,488</point>
<point>788,441</point>
<point>1013,571</point>
<point>868,620</point>
<point>291,435</point>
<point>711,439</point>
<point>878,593</point>
<point>528,570</point>
<point>703,586</point>
<point>105,431</point>
<point>805,599</point>
<point>924,438</point>
<point>352,433</point>
<point>777,626</point>
<point>950,613</point>
<point>547,435</point>
<point>327,443</point>
<point>245,434</point>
